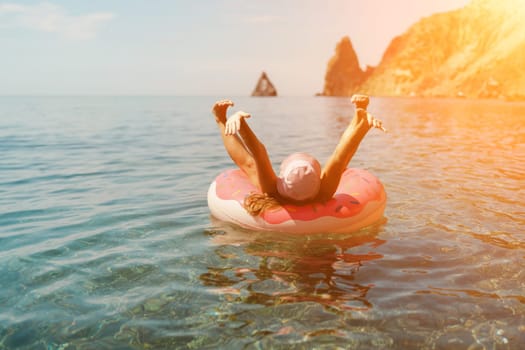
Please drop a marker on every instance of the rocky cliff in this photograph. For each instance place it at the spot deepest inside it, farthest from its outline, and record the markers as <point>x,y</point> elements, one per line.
<point>476,51</point>
<point>344,75</point>
<point>264,87</point>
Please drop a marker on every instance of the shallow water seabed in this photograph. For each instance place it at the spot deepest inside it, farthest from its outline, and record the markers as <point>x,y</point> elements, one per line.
<point>106,240</point>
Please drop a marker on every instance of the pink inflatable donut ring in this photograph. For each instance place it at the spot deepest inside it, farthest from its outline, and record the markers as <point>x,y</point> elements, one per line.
<point>359,201</point>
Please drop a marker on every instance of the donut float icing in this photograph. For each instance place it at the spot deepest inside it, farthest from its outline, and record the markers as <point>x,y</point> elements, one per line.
<point>359,201</point>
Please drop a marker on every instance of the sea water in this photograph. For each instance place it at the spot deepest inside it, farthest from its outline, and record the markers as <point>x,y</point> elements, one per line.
<point>106,241</point>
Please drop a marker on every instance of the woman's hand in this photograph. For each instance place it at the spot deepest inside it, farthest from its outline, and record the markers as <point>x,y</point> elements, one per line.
<point>374,123</point>
<point>233,125</point>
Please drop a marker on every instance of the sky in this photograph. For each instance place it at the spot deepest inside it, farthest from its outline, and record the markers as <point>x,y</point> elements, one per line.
<point>191,47</point>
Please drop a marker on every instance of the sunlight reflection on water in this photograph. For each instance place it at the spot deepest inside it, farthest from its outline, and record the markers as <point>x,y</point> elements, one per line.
<point>106,238</point>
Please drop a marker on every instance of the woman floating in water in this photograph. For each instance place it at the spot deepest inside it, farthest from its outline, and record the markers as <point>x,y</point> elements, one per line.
<point>301,179</point>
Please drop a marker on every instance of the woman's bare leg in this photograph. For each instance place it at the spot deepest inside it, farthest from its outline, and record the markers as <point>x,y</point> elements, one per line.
<point>233,144</point>
<point>348,145</point>
<point>237,125</point>
<point>265,173</point>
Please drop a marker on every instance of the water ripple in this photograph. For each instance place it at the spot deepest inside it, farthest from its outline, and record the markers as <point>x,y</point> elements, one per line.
<point>106,240</point>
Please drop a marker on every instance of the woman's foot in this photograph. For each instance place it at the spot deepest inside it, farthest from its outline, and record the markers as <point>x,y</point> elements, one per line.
<point>219,110</point>
<point>360,101</point>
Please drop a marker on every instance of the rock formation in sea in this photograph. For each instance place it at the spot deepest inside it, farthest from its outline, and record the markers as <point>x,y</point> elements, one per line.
<point>476,51</point>
<point>343,75</point>
<point>264,87</point>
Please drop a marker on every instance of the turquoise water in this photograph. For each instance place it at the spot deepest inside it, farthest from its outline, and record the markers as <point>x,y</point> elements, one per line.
<point>106,240</point>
